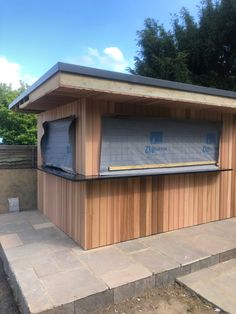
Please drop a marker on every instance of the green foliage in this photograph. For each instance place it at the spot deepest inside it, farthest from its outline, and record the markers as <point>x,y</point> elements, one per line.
<point>158,54</point>
<point>15,128</point>
<point>202,52</point>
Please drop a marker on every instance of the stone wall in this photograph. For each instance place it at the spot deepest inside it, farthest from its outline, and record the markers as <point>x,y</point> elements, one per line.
<point>21,183</point>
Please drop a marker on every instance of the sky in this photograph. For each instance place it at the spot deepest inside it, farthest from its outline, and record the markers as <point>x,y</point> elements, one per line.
<point>36,34</point>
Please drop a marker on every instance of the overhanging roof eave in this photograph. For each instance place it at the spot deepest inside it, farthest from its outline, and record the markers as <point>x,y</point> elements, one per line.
<point>119,77</point>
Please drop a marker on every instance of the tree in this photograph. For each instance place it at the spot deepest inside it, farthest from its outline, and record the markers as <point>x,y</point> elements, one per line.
<point>202,52</point>
<point>15,128</point>
<point>159,56</point>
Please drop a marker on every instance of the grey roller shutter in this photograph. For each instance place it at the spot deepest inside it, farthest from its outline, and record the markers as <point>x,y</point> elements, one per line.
<point>133,144</point>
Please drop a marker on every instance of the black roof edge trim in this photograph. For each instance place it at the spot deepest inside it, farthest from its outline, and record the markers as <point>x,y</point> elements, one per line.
<point>121,77</point>
<point>39,82</point>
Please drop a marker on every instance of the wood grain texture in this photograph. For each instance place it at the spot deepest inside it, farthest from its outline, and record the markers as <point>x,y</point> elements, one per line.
<point>154,166</point>
<point>98,213</point>
<point>63,202</point>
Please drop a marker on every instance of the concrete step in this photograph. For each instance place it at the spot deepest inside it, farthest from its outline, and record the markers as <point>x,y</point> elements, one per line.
<point>215,284</point>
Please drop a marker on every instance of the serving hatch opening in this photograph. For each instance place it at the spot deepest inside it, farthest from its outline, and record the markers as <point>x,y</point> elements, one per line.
<point>58,144</point>
<point>146,144</point>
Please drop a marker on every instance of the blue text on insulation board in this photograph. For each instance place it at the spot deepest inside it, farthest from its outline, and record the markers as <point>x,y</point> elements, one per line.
<point>153,149</point>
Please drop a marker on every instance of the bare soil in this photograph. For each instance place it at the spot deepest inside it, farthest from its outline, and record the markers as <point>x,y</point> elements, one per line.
<point>172,299</point>
<point>7,302</point>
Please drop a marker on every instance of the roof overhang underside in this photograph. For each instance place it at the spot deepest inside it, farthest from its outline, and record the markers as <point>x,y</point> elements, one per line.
<point>63,88</point>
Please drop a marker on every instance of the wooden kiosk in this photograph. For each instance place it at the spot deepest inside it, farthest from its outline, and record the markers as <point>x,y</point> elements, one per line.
<point>123,156</point>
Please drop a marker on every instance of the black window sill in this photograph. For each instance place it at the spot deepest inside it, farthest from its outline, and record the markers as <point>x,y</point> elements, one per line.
<point>82,178</point>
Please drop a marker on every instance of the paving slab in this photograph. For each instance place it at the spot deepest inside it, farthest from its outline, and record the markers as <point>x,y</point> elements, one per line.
<point>212,243</point>
<point>130,274</point>
<point>106,259</point>
<point>43,225</point>
<point>50,274</point>
<point>66,287</point>
<point>66,259</point>
<point>181,251</point>
<point>15,226</point>
<point>10,240</point>
<point>27,250</point>
<point>56,245</point>
<point>155,261</point>
<point>216,284</point>
<point>37,297</point>
<point>40,263</point>
<point>131,246</point>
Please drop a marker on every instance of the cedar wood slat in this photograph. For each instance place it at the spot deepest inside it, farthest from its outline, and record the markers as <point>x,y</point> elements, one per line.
<point>104,212</point>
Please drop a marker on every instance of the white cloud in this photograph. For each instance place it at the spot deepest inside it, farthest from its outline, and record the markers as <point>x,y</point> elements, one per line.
<point>111,58</point>
<point>11,74</point>
<point>114,53</point>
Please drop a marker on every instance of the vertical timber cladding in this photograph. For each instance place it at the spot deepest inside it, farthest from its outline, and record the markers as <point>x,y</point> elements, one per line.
<point>122,209</point>
<point>97,213</point>
<point>61,200</point>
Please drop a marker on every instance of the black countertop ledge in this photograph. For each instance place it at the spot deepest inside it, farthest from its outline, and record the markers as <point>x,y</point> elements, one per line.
<point>133,174</point>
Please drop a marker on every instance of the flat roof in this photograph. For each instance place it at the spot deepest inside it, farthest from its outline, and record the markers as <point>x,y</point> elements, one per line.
<point>117,77</point>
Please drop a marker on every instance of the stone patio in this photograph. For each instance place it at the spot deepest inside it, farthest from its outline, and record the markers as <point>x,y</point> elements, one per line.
<point>216,284</point>
<point>49,273</point>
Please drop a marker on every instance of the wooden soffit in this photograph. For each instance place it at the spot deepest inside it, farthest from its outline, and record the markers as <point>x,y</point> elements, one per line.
<point>64,88</point>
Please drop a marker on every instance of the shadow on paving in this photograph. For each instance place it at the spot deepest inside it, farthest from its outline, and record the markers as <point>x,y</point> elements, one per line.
<point>7,302</point>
